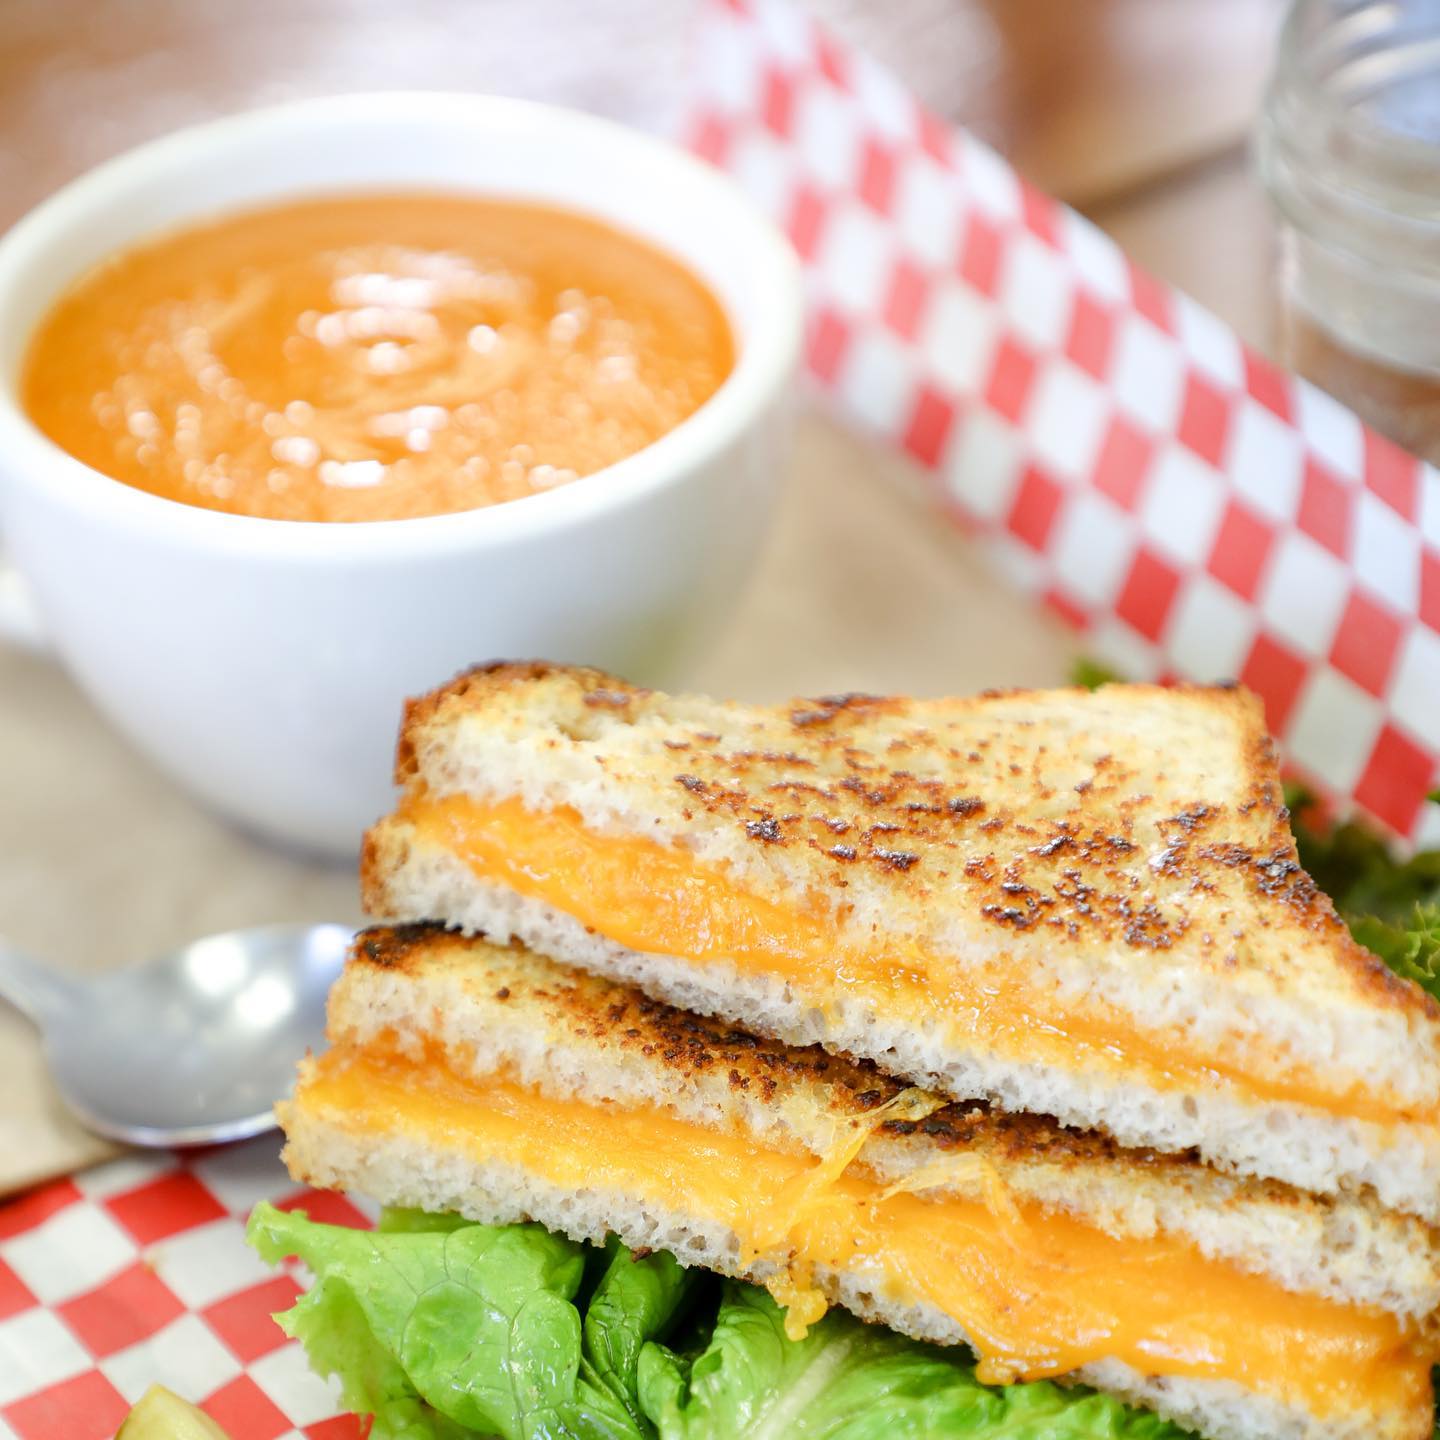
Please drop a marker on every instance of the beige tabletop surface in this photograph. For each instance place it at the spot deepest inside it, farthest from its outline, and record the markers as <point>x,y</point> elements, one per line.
<point>104,861</point>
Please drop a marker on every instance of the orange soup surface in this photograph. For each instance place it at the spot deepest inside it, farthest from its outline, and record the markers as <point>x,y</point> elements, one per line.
<point>374,357</point>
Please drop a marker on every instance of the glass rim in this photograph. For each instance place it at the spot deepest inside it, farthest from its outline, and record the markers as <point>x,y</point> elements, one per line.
<point>1323,41</point>
<point>1333,169</point>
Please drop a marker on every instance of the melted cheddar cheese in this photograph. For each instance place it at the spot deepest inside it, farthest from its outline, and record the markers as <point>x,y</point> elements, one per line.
<point>1039,1294</point>
<point>656,898</point>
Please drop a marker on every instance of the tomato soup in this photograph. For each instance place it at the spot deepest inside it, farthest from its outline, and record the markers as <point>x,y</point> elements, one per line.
<point>374,357</point>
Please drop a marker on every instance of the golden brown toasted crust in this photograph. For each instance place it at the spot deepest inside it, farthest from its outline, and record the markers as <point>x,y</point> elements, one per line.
<point>684,1046</point>
<point>421,709</point>
<point>1078,864</point>
<point>575,1029</point>
<point>372,873</point>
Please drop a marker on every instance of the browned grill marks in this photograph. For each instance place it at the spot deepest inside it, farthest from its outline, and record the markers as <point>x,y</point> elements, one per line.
<point>889,792</point>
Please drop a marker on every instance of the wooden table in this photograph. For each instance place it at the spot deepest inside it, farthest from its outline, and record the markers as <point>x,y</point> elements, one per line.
<point>103,861</point>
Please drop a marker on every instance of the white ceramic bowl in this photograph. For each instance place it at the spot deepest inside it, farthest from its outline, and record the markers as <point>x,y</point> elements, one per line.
<point>264,662</point>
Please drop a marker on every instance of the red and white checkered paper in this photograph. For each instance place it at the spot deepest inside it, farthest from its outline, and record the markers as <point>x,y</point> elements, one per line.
<point>1196,511</point>
<point>137,1272</point>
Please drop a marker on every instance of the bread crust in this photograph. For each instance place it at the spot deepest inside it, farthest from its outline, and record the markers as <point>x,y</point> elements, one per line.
<point>504,1010</point>
<point>1125,853</point>
<point>326,1151</point>
<point>575,1035</point>
<point>811,766</point>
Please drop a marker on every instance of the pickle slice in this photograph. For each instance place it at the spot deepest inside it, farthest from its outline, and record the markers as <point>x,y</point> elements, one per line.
<point>160,1414</point>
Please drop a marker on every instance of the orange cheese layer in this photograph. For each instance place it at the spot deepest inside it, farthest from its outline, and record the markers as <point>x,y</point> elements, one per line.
<point>656,898</point>
<point>1044,1301</point>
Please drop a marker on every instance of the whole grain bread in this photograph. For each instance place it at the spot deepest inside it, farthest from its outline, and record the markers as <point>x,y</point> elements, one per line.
<point>329,1151</point>
<point>568,1034</point>
<point>1125,849</point>
<point>502,1011</point>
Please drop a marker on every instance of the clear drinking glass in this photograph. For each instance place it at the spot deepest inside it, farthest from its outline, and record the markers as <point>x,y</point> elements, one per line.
<point>1349,147</point>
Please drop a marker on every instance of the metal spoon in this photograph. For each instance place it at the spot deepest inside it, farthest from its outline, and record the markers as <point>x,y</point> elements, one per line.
<point>192,1048</point>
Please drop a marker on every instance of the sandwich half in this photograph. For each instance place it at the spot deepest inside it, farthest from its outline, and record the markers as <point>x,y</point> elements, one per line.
<point>488,1081</point>
<point>1086,905</point>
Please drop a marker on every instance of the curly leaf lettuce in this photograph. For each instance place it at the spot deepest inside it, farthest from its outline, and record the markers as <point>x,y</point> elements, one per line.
<point>331,1324</point>
<point>445,1330</point>
<point>635,1300</point>
<point>448,1332</point>
<point>1392,906</point>
<point>1411,949</point>
<point>395,1219</point>
<point>1091,674</point>
<point>850,1381</point>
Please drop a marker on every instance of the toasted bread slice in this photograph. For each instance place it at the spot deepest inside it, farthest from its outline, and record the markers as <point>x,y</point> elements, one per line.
<point>469,1077</point>
<point>1081,904</point>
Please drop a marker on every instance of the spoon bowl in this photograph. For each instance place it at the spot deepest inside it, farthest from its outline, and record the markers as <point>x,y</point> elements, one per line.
<point>192,1048</point>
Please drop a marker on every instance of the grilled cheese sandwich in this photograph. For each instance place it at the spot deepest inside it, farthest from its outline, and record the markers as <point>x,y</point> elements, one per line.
<point>1087,905</point>
<point>503,1085</point>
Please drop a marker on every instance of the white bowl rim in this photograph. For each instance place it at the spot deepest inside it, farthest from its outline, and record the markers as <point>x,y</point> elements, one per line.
<point>766,355</point>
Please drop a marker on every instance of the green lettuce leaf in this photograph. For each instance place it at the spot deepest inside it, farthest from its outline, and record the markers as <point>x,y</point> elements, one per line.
<point>1411,949</point>
<point>1392,906</point>
<point>331,1324</point>
<point>635,1301</point>
<point>468,1330</point>
<point>1354,865</point>
<point>851,1381</point>
<point>1091,674</point>
<point>395,1220</point>
<point>445,1330</point>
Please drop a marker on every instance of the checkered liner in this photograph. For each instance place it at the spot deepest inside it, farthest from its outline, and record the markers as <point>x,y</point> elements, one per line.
<point>1197,512</point>
<point>137,1272</point>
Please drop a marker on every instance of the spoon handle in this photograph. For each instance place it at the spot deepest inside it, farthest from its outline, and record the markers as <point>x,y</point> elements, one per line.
<point>33,988</point>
